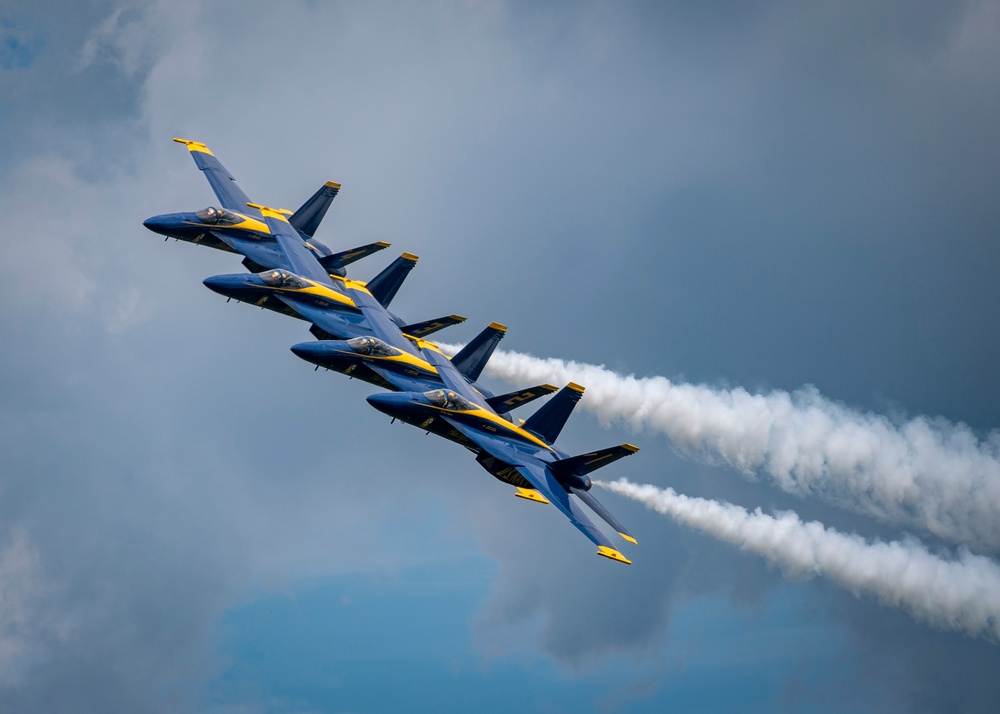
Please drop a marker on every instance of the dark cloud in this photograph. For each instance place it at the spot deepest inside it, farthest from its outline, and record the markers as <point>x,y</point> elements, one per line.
<point>769,194</point>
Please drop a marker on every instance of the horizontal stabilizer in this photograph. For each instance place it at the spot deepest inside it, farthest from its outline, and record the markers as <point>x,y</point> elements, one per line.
<point>307,219</point>
<point>548,421</point>
<point>429,327</point>
<point>612,554</point>
<point>585,463</point>
<point>472,358</point>
<point>223,184</point>
<point>384,286</point>
<point>504,403</point>
<point>598,508</point>
<point>530,494</point>
<point>337,261</point>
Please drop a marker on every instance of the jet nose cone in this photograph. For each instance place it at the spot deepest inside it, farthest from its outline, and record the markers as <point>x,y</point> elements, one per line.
<point>223,284</point>
<point>159,224</point>
<point>309,351</point>
<point>324,353</point>
<point>385,403</point>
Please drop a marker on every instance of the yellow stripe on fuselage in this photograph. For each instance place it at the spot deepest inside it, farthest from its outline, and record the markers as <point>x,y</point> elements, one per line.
<point>404,358</point>
<point>247,224</point>
<point>318,290</point>
<point>499,421</point>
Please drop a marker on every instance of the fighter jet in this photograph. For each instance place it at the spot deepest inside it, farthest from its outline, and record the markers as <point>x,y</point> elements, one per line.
<point>360,337</point>
<point>308,292</point>
<point>232,228</point>
<point>522,456</point>
<point>395,355</point>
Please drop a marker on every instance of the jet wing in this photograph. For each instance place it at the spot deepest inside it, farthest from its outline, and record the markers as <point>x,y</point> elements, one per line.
<point>338,325</point>
<point>264,255</point>
<point>454,380</point>
<point>544,482</point>
<point>301,260</point>
<point>378,319</point>
<point>229,194</point>
<point>400,382</point>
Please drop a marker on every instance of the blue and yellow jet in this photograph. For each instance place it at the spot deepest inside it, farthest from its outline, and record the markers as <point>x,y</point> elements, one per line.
<point>231,228</point>
<point>396,356</point>
<point>522,456</point>
<point>359,336</point>
<point>304,290</point>
<point>308,292</point>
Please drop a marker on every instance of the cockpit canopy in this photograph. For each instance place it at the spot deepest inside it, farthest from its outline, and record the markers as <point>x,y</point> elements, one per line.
<point>372,346</point>
<point>446,399</point>
<point>282,279</point>
<point>218,216</point>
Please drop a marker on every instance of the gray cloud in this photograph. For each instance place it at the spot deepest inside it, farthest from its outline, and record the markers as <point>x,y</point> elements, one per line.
<point>770,194</point>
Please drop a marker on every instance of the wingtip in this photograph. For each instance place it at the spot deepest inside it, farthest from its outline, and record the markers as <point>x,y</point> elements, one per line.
<point>629,538</point>
<point>631,448</point>
<point>194,145</point>
<point>382,244</point>
<point>612,554</point>
<point>458,318</point>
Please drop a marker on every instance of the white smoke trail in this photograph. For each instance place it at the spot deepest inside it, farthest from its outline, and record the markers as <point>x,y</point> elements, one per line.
<point>924,472</point>
<point>962,594</point>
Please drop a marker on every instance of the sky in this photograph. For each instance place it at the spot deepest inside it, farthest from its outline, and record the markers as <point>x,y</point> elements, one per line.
<point>761,195</point>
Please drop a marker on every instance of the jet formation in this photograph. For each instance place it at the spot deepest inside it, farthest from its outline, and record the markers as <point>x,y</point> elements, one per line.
<point>291,272</point>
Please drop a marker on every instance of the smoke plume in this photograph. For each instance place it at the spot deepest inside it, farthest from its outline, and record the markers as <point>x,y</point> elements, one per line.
<point>923,472</point>
<point>961,594</point>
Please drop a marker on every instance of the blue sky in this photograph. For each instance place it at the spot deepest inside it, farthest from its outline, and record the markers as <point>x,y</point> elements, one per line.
<point>763,195</point>
<point>411,641</point>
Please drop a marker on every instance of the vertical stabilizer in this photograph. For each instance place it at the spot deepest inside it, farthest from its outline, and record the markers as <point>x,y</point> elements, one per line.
<point>307,219</point>
<point>474,356</point>
<point>384,286</point>
<point>548,421</point>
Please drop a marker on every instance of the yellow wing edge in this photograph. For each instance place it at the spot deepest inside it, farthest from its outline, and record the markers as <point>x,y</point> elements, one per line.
<point>194,146</point>
<point>612,554</point>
